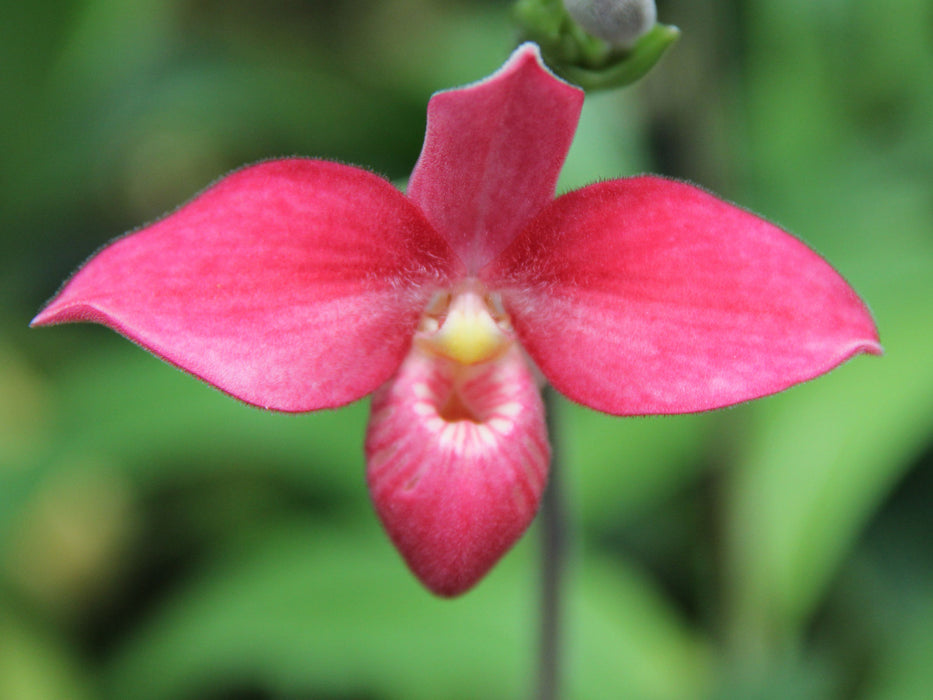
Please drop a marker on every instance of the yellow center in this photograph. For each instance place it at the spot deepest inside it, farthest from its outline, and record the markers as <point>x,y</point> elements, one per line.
<point>467,327</point>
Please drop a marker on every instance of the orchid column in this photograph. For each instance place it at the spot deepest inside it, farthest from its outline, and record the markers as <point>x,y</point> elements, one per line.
<point>298,285</point>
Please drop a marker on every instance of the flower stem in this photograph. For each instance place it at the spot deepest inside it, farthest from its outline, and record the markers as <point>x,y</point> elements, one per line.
<point>553,555</point>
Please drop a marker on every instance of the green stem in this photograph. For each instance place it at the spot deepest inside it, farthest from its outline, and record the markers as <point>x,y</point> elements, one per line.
<point>553,559</point>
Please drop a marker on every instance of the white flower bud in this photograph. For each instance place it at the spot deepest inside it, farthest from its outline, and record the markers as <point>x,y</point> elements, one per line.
<point>619,22</point>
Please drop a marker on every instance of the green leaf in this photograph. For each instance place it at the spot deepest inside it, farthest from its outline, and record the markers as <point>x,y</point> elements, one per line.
<point>150,417</point>
<point>818,462</point>
<point>35,664</point>
<point>300,613</point>
<point>617,466</point>
<point>904,671</point>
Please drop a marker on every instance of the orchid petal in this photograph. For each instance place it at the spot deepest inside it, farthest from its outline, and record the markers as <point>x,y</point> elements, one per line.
<point>492,154</point>
<point>293,284</point>
<point>457,461</point>
<point>678,301</point>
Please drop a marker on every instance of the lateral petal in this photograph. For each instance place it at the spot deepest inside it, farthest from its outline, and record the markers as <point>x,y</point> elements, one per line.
<point>292,284</point>
<point>647,296</point>
<point>457,460</point>
<point>492,154</point>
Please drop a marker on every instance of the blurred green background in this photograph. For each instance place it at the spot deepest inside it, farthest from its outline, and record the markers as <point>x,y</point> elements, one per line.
<point>159,540</point>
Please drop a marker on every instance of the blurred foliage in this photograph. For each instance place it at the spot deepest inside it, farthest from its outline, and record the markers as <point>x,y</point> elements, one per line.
<point>159,540</point>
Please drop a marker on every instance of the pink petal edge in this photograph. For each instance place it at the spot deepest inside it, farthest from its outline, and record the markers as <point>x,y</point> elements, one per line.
<point>293,284</point>
<point>456,481</point>
<point>679,301</point>
<point>492,154</point>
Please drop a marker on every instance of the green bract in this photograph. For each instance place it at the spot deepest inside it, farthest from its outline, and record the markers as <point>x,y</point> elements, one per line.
<point>584,59</point>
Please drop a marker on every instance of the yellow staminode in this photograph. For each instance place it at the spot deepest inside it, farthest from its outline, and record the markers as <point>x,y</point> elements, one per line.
<point>469,334</point>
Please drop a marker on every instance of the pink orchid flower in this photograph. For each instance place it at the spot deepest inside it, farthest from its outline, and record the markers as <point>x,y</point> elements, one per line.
<point>298,285</point>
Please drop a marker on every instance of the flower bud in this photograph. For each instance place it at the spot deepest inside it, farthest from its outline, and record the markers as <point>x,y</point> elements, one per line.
<point>618,22</point>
